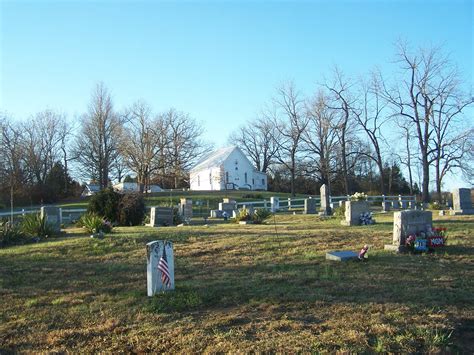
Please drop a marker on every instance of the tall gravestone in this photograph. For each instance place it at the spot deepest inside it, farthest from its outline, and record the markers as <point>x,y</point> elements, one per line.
<point>186,208</point>
<point>353,211</point>
<point>160,266</point>
<point>406,223</point>
<point>462,203</point>
<point>53,216</point>
<point>310,206</point>
<point>325,207</point>
<point>161,216</point>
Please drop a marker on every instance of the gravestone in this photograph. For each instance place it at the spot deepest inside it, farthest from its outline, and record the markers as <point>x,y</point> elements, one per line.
<point>353,211</point>
<point>309,206</point>
<point>228,205</point>
<point>462,203</point>
<point>161,216</point>
<point>275,204</point>
<point>406,223</point>
<point>157,271</point>
<point>412,204</point>
<point>216,213</point>
<point>325,208</point>
<point>344,255</point>
<point>386,206</point>
<point>53,216</point>
<point>186,208</point>
<point>396,204</point>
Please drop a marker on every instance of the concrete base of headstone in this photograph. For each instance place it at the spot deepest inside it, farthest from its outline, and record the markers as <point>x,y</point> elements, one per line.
<point>395,248</point>
<point>344,255</point>
<point>460,212</point>
<point>245,222</point>
<point>154,252</point>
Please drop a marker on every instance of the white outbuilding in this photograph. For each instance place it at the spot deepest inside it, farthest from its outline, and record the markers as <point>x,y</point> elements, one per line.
<point>226,169</point>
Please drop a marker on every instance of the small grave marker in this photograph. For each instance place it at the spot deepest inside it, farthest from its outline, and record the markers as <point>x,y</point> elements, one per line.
<point>344,255</point>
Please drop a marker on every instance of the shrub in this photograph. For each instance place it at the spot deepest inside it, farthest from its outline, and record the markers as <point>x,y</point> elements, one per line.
<point>131,210</point>
<point>33,225</point>
<point>243,215</point>
<point>177,218</point>
<point>339,211</point>
<point>260,215</point>
<point>10,234</point>
<point>105,203</point>
<point>436,206</point>
<point>94,223</point>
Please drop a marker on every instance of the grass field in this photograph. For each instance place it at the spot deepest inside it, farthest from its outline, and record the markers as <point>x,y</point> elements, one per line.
<point>240,288</point>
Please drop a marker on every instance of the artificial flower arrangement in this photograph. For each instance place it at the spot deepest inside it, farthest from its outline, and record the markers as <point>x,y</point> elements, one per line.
<point>358,196</point>
<point>427,241</point>
<point>366,219</point>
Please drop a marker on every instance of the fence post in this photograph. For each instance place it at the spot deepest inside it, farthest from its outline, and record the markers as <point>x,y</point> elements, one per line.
<point>289,203</point>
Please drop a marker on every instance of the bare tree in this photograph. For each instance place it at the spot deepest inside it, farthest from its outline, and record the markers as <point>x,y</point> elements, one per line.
<point>341,99</point>
<point>185,146</point>
<point>96,147</point>
<point>11,152</point>
<point>429,80</point>
<point>43,137</point>
<point>258,140</point>
<point>371,117</point>
<point>140,146</point>
<point>321,138</point>
<point>290,123</point>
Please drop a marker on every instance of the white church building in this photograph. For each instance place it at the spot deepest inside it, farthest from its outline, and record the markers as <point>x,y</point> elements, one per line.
<point>226,169</point>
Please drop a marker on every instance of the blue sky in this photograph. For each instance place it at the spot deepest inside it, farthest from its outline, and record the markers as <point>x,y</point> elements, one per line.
<point>218,61</point>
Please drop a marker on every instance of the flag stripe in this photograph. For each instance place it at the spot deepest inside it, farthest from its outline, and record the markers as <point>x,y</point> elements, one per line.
<point>163,267</point>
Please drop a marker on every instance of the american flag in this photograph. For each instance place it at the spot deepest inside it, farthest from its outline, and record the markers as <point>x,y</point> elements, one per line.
<point>163,267</point>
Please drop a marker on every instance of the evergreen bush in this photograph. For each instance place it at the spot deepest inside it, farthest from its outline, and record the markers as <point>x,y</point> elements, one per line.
<point>131,210</point>
<point>105,203</point>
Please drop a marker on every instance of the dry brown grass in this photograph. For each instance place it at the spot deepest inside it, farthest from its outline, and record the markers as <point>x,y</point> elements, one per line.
<point>240,289</point>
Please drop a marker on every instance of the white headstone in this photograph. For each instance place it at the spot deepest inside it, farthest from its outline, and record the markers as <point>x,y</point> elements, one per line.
<point>275,203</point>
<point>154,252</point>
<point>325,208</point>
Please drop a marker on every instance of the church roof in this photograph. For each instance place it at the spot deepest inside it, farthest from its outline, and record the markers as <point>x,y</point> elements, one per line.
<point>216,158</point>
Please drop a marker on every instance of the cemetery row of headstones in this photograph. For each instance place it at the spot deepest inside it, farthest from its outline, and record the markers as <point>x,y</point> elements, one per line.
<point>163,216</point>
